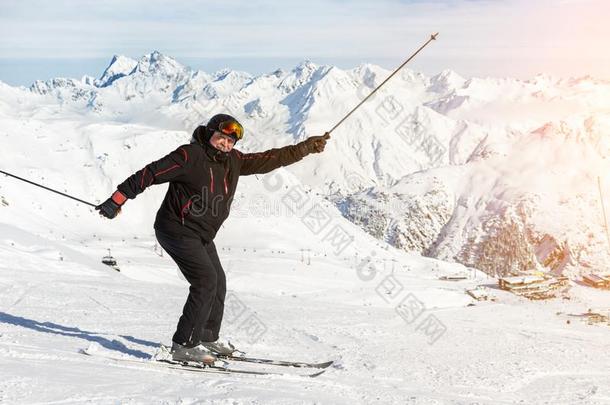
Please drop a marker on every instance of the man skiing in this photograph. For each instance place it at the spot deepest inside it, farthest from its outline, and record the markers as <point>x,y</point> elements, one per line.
<point>202,178</point>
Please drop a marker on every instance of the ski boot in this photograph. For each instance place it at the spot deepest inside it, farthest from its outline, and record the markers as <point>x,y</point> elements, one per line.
<point>220,347</point>
<point>198,354</point>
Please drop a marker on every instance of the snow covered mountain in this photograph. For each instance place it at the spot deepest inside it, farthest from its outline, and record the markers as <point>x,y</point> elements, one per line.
<point>415,128</point>
<point>460,162</point>
<point>499,175</point>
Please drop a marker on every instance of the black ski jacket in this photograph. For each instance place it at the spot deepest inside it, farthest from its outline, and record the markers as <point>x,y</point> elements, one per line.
<point>202,182</point>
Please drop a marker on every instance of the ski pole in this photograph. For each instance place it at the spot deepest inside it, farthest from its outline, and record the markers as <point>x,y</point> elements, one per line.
<point>47,188</point>
<point>601,200</point>
<point>432,38</point>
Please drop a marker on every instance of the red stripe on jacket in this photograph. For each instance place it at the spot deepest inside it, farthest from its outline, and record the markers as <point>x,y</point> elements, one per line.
<point>166,170</point>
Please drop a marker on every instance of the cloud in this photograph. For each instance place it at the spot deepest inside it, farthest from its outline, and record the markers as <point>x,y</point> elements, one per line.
<point>475,35</point>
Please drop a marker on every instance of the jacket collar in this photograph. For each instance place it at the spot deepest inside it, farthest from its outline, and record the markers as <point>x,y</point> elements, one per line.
<point>202,138</point>
<point>214,154</point>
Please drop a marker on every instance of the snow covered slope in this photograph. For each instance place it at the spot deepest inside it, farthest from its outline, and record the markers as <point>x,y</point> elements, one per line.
<point>57,300</point>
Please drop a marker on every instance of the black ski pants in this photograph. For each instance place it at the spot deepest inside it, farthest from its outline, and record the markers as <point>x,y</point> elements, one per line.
<point>198,261</point>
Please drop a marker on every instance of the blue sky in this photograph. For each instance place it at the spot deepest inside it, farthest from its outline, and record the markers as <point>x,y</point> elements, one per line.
<point>43,39</point>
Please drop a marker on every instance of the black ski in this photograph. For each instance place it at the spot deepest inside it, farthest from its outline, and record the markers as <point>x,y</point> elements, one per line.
<point>195,367</point>
<point>273,362</point>
<point>225,370</point>
<point>269,362</point>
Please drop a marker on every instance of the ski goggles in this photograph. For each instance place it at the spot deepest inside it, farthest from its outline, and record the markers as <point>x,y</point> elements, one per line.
<point>231,128</point>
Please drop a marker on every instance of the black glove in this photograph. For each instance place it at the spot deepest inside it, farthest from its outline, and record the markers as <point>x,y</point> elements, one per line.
<point>315,144</point>
<point>112,206</point>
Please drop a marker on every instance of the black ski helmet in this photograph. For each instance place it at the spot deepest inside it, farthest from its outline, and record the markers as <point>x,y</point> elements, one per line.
<point>215,121</point>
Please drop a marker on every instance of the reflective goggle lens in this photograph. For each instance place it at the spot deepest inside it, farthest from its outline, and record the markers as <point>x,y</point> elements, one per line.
<point>231,128</point>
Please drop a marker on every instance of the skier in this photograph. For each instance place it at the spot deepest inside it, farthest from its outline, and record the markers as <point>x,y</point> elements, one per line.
<point>202,178</point>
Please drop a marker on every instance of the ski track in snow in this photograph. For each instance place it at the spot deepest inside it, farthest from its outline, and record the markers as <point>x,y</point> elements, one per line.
<point>492,353</point>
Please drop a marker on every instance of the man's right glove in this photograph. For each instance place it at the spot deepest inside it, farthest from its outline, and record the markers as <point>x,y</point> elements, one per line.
<point>315,144</point>
<point>112,206</point>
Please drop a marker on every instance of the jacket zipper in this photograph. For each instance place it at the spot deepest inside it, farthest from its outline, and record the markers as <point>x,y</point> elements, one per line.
<point>211,181</point>
<point>225,182</point>
<point>185,208</point>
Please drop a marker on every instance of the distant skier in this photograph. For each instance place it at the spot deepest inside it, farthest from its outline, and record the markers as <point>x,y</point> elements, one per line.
<point>203,176</point>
